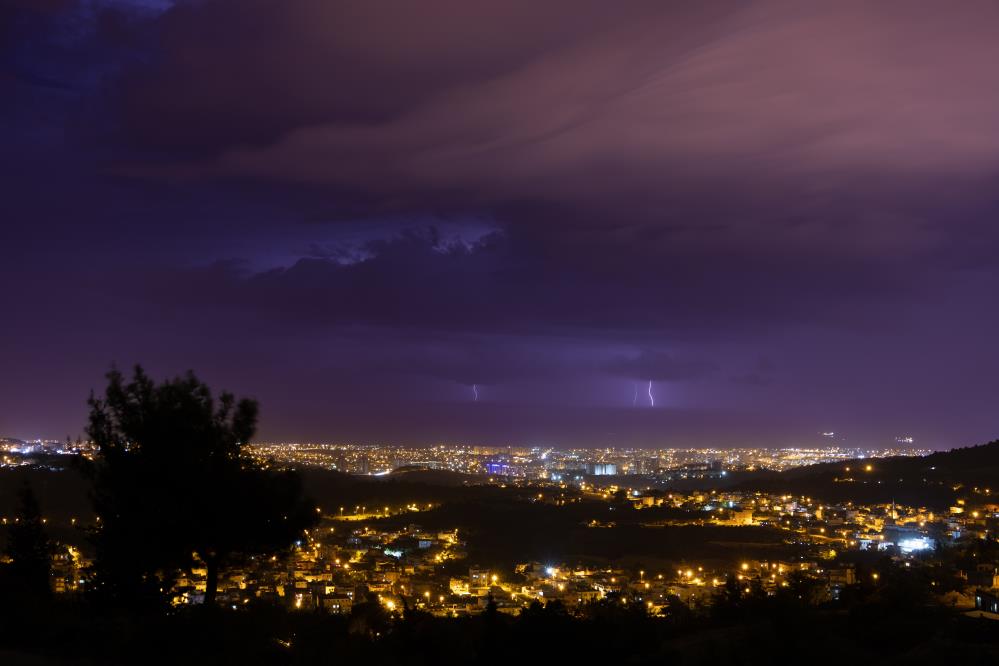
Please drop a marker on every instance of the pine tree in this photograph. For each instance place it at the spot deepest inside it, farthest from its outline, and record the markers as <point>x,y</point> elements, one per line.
<point>174,486</point>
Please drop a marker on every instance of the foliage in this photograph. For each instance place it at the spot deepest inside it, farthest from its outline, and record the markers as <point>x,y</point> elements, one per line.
<point>173,487</point>
<point>28,547</point>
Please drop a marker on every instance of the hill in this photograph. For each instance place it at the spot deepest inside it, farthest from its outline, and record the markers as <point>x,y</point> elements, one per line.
<point>935,480</point>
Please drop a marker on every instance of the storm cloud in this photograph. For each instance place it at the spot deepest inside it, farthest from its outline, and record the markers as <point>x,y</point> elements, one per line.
<point>354,211</point>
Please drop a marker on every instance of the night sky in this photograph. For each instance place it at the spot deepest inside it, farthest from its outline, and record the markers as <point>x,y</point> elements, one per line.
<point>364,214</point>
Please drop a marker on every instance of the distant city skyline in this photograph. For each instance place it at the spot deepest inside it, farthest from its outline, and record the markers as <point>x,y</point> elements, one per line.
<point>905,445</point>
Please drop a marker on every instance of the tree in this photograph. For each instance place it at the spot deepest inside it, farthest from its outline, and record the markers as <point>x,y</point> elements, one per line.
<point>491,609</point>
<point>28,547</point>
<point>173,486</point>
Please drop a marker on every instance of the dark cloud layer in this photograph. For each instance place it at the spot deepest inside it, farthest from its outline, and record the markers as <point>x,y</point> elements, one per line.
<point>780,213</point>
<point>660,366</point>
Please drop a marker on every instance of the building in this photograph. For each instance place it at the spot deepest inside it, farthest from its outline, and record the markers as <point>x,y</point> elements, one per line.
<point>601,469</point>
<point>987,601</point>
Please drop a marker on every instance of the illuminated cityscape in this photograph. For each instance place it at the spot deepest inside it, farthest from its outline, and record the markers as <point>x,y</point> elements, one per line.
<point>558,464</point>
<point>468,533</point>
<point>382,550</point>
<point>360,550</point>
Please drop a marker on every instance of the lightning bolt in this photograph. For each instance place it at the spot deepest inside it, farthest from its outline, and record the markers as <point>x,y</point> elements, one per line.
<point>652,400</point>
<point>634,401</point>
<point>475,393</point>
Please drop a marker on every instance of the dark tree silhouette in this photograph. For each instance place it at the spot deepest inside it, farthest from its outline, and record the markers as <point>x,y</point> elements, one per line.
<point>28,547</point>
<point>173,486</point>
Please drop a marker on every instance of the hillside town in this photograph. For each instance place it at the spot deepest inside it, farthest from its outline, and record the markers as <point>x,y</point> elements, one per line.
<point>359,554</point>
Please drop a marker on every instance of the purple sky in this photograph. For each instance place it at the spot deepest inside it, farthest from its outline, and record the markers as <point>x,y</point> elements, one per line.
<point>782,214</point>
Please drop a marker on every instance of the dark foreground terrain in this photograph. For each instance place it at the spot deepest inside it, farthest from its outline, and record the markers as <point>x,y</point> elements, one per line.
<point>881,630</point>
